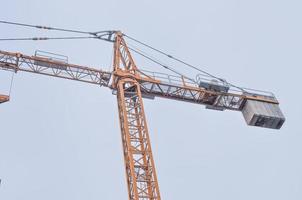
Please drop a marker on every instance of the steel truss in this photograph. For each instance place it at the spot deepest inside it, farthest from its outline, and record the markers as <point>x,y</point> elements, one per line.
<point>34,64</point>
<point>131,85</point>
<point>139,163</point>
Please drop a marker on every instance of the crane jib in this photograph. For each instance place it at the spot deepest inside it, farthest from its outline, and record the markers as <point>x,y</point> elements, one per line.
<point>257,109</point>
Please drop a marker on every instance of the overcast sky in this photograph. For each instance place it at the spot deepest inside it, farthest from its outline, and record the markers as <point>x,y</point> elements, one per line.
<point>60,139</point>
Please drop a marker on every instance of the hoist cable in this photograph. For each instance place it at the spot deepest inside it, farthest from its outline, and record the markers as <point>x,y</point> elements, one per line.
<point>47,38</point>
<point>46,27</point>
<point>154,60</point>
<point>11,84</point>
<point>159,63</point>
<point>172,57</point>
<point>102,35</point>
<point>183,62</point>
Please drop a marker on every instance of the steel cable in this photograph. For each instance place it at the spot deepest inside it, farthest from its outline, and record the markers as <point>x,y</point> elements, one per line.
<point>46,27</point>
<point>183,62</point>
<point>46,38</point>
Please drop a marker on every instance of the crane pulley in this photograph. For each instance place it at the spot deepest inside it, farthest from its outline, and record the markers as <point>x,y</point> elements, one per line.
<point>131,84</point>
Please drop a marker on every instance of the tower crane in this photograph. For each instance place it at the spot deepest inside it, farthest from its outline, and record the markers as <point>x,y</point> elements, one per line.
<point>131,85</point>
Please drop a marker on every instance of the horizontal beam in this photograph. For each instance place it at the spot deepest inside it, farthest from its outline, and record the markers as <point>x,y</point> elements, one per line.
<point>151,86</point>
<point>40,65</point>
<point>182,89</point>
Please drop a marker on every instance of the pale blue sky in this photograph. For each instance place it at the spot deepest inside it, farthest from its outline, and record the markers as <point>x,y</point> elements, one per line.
<point>60,139</point>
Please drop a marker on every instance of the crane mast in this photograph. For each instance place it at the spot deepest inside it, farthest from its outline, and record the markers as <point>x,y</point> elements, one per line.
<point>131,85</point>
<point>139,163</point>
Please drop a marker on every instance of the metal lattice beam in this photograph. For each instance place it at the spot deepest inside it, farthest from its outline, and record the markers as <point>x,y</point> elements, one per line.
<point>19,62</point>
<point>139,163</point>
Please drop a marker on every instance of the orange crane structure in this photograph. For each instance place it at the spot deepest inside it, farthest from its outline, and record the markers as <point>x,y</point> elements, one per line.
<point>131,85</point>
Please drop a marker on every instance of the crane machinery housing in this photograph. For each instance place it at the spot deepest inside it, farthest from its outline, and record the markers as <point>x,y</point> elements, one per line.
<point>131,85</point>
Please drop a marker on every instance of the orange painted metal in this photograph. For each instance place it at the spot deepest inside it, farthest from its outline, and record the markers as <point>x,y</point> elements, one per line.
<point>131,85</point>
<point>33,64</point>
<point>4,98</point>
<point>150,86</point>
<point>139,163</point>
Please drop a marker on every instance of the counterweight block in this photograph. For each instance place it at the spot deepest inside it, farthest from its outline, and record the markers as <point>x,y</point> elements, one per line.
<point>263,114</point>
